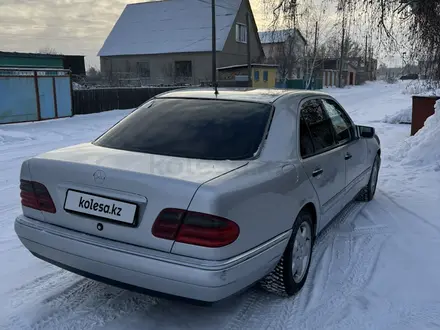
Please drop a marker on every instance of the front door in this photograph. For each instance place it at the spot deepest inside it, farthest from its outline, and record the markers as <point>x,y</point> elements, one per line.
<point>355,150</point>
<point>322,159</point>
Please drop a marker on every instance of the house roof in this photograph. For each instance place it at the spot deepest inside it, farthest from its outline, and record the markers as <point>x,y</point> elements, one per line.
<point>278,36</point>
<point>170,26</point>
<point>18,54</point>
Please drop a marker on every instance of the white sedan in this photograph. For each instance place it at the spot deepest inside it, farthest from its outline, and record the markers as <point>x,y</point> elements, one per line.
<point>198,195</point>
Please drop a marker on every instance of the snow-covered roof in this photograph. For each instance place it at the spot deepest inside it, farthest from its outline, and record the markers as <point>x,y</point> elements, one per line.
<point>170,26</point>
<point>262,65</point>
<point>272,37</point>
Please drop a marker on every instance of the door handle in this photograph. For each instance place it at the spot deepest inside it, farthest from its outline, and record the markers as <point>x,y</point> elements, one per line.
<point>348,156</point>
<point>317,172</point>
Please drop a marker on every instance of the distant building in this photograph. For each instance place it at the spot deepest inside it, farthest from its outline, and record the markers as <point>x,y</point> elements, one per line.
<point>328,70</point>
<point>169,42</point>
<point>287,49</point>
<point>263,75</point>
<point>75,63</point>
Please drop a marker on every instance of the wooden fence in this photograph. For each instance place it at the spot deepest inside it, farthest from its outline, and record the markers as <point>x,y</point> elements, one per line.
<point>104,99</point>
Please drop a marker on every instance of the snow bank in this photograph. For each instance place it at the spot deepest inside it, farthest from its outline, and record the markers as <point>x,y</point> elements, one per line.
<point>422,149</point>
<point>403,116</point>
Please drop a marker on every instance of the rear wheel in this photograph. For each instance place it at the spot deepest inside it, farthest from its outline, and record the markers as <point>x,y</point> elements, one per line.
<point>367,193</point>
<point>291,272</point>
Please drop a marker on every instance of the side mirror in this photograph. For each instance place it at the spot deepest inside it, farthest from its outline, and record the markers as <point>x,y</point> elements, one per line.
<point>366,132</point>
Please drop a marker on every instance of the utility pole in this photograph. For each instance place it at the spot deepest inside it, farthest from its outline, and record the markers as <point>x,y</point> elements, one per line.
<point>214,49</point>
<point>341,60</point>
<point>248,44</point>
<point>315,50</point>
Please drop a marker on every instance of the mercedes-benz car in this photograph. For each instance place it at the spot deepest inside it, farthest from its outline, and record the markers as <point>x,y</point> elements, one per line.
<point>198,194</point>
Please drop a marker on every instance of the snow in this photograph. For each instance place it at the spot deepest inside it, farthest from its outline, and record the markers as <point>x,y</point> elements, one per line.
<point>423,149</point>
<point>191,18</point>
<point>403,116</point>
<point>376,267</point>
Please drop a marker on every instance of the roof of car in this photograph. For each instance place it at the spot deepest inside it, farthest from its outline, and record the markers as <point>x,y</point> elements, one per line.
<point>239,94</point>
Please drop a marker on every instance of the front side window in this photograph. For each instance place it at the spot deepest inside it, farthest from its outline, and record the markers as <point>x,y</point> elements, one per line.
<point>192,128</point>
<point>319,125</point>
<point>340,121</point>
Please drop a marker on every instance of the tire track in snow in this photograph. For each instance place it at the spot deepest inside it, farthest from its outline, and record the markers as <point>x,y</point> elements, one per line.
<point>406,210</point>
<point>294,312</point>
<point>40,287</point>
<point>360,274</point>
<point>75,301</point>
<point>249,307</point>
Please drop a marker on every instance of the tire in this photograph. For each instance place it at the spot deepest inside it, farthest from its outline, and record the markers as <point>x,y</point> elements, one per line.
<point>367,193</point>
<point>283,280</point>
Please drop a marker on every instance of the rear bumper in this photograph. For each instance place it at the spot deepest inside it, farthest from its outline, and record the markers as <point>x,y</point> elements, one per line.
<point>140,268</point>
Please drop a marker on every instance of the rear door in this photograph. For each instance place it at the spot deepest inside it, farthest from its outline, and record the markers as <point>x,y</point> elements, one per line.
<point>355,149</point>
<point>323,160</point>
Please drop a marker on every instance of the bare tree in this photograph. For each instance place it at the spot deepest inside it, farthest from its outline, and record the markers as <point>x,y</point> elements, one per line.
<point>311,19</point>
<point>417,20</point>
<point>48,50</point>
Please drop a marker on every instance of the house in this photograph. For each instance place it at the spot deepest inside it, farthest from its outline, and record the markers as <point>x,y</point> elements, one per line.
<point>170,41</point>
<point>75,63</point>
<point>328,70</point>
<point>263,75</point>
<point>286,48</point>
<point>364,71</point>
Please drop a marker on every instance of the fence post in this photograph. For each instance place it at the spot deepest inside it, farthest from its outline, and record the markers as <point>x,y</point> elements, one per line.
<point>37,93</point>
<point>54,88</point>
<point>71,93</point>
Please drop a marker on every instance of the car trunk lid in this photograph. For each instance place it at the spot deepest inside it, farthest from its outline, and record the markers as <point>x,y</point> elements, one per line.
<point>118,194</point>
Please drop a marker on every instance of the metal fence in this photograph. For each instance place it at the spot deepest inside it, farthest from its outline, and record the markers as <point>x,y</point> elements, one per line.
<point>31,95</point>
<point>104,99</point>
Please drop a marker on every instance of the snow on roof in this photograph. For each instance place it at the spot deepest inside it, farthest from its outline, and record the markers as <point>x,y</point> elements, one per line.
<point>271,37</point>
<point>170,26</point>
<point>245,65</point>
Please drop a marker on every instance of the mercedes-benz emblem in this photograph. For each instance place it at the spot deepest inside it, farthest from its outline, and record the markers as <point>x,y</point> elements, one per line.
<point>99,176</point>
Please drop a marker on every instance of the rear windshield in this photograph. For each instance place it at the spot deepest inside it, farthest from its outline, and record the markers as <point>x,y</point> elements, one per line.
<point>192,128</point>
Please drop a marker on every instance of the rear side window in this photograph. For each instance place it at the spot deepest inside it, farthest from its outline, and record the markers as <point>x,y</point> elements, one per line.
<point>319,124</point>
<point>192,128</point>
<point>306,143</point>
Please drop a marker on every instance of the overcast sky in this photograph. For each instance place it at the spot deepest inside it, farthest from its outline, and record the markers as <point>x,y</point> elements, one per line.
<point>68,26</point>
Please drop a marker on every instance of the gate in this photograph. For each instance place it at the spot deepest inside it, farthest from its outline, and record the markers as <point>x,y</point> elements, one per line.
<point>31,95</point>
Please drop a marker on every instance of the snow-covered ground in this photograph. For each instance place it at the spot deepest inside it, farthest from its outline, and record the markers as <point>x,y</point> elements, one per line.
<point>376,267</point>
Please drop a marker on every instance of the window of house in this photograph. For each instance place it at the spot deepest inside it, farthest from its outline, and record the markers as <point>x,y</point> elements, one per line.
<point>143,69</point>
<point>183,69</point>
<point>265,75</point>
<point>241,33</point>
<point>256,75</point>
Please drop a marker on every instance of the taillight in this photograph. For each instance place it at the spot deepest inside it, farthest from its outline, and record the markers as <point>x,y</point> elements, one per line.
<point>36,196</point>
<point>167,223</point>
<point>195,228</point>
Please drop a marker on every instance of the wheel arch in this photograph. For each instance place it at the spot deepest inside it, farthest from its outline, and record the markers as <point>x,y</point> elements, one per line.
<point>310,207</point>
